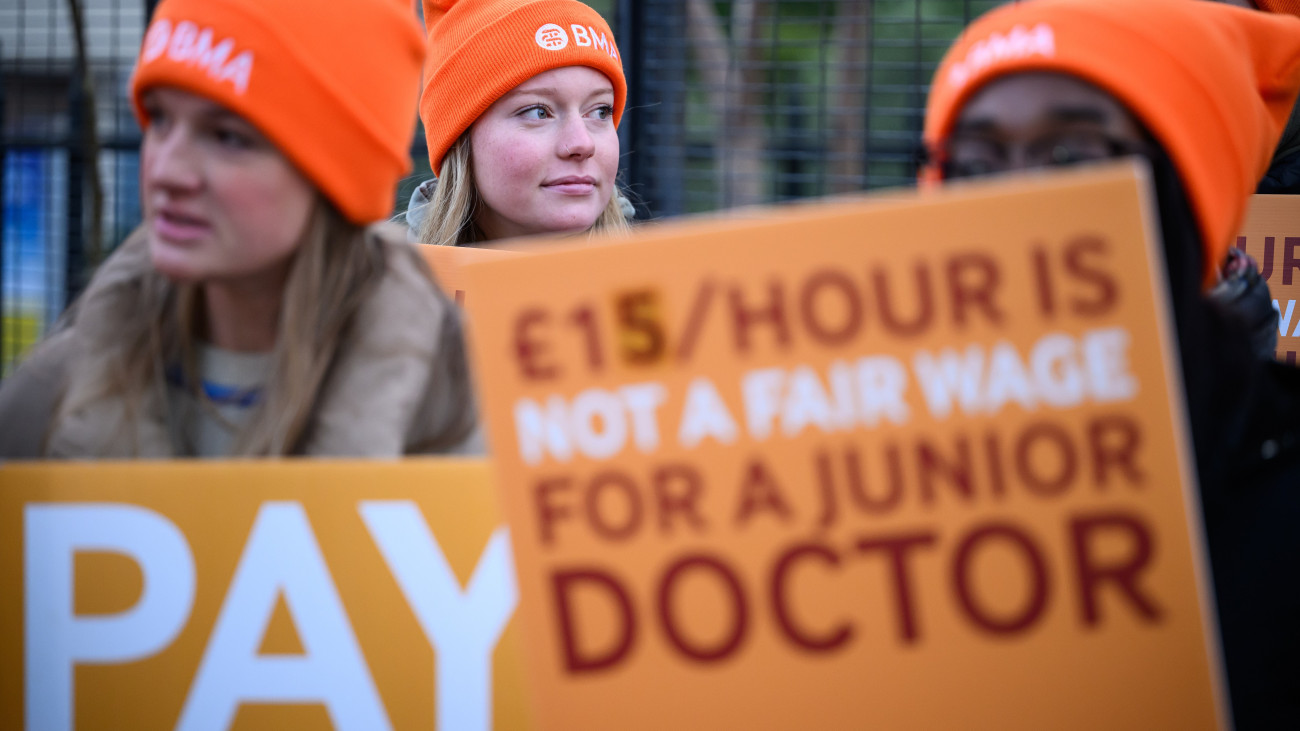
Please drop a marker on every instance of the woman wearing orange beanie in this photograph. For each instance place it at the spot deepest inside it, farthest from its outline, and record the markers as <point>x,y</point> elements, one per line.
<point>521,104</point>
<point>257,311</point>
<point>1202,91</point>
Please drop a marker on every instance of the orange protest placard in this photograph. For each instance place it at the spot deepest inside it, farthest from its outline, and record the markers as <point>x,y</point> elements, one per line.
<point>257,595</point>
<point>446,263</point>
<point>912,462</point>
<point>1271,234</point>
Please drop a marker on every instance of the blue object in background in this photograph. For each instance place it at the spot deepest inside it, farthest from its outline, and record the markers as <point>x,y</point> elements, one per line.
<point>34,247</point>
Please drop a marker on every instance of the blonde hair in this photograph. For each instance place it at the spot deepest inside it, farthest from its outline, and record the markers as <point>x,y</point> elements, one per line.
<point>334,270</point>
<point>449,218</point>
<point>144,324</point>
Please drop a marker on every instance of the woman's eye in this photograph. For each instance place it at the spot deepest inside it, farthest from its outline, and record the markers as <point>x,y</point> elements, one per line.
<point>536,112</point>
<point>971,168</point>
<point>604,111</point>
<point>1078,148</point>
<point>156,116</point>
<point>233,139</point>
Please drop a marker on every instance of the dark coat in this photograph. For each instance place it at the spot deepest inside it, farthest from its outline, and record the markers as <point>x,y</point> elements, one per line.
<point>1283,176</point>
<point>1245,418</point>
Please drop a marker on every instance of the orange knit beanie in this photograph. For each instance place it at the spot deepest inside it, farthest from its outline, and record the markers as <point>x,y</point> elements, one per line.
<point>332,84</point>
<point>1214,83</point>
<point>481,49</point>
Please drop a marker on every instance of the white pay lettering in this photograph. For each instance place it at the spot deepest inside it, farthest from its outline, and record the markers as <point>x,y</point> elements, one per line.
<point>280,559</point>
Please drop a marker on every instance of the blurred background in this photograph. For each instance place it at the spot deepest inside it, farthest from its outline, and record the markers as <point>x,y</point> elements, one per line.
<point>730,104</point>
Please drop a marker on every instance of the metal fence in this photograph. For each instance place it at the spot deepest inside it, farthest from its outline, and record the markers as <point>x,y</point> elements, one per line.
<point>757,101</point>
<point>730,103</point>
<point>63,118</point>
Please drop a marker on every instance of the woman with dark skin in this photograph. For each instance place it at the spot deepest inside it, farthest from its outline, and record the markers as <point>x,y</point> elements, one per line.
<point>1041,119</point>
<point>1202,92</point>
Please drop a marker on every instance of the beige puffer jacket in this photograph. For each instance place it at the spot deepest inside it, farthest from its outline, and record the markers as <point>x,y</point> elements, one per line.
<point>398,384</point>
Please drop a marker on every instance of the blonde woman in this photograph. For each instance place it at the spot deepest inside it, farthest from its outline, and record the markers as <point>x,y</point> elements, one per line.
<point>256,311</point>
<point>521,106</point>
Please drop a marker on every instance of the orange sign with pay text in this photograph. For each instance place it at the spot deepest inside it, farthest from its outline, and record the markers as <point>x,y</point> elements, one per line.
<point>257,595</point>
<point>915,462</point>
<point>447,262</point>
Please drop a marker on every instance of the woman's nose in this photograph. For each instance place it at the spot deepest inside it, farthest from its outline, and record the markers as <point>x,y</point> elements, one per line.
<point>576,140</point>
<point>170,161</point>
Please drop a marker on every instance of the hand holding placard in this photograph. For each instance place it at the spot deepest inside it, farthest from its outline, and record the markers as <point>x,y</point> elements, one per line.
<point>1271,234</point>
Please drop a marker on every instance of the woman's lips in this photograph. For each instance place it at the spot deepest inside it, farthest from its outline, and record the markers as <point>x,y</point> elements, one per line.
<point>178,227</point>
<point>573,185</point>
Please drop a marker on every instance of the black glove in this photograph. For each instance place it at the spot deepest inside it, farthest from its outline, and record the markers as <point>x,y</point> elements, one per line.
<point>1242,295</point>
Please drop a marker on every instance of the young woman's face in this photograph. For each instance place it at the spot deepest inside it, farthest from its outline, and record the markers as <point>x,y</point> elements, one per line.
<point>545,155</point>
<point>220,201</point>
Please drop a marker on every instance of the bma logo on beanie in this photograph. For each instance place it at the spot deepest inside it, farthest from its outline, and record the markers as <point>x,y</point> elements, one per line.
<point>553,37</point>
<point>1017,43</point>
<point>188,44</point>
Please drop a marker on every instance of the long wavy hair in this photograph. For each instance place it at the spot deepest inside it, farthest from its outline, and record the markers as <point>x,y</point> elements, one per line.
<point>450,218</point>
<point>153,325</point>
